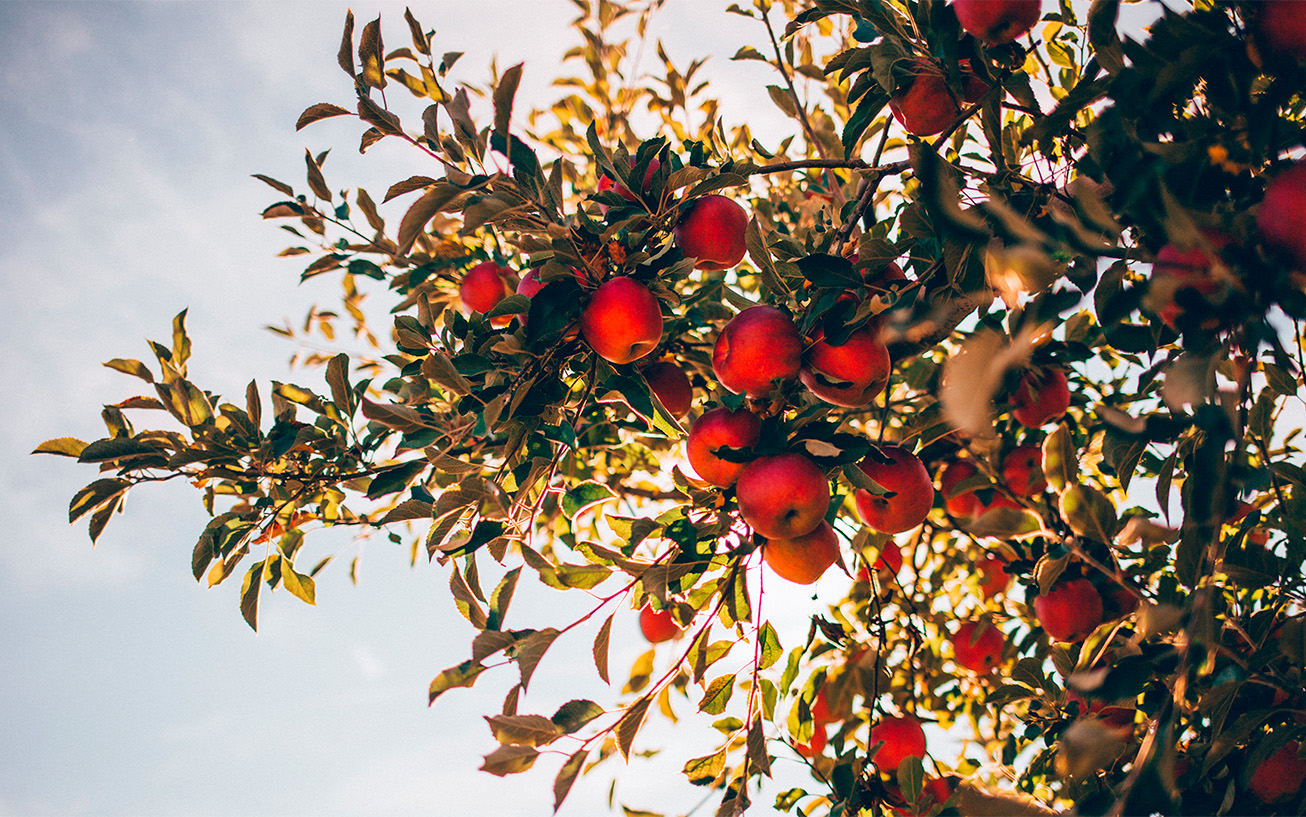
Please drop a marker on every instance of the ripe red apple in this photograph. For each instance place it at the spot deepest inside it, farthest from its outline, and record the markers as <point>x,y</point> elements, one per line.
<point>530,283</point>
<point>1117,717</point>
<point>993,578</point>
<point>903,738</point>
<point>929,106</point>
<point>717,429</point>
<point>965,505</point>
<point>823,713</point>
<point>1280,776</point>
<point>670,383</point>
<point>816,745</point>
<point>1022,470</point>
<point>483,286</point>
<point>657,625</point>
<point>998,21</point>
<point>1042,396</point>
<point>1282,212</point>
<point>712,230</point>
<point>1176,270</point>
<point>1070,610</point>
<point>977,646</point>
<point>886,279</point>
<point>757,346</point>
<point>606,183</point>
<point>783,496</point>
<point>850,374</point>
<point>622,321</point>
<point>913,491</point>
<point>804,559</point>
<point>1282,27</point>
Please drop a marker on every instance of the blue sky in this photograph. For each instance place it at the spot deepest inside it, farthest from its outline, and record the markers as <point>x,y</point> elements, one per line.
<point>128,136</point>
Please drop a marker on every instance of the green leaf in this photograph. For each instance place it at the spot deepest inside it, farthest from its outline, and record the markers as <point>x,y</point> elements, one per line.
<point>249,590</point>
<point>63,446</point>
<point>911,775</point>
<point>503,96</point>
<point>572,715</point>
<point>1089,513</point>
<point>717,695</point>
<point>94,495</point>
<point>463,675</point>
<point>585,497</point>
<point>501,598</point>
<point>301,586</point>
<point>465,600</point>
<point>629,725</point>
<point>1060,460</point>
<point>601,649</point>
<point>530,652</point>
<point>566,777</point>
<point>395,478</point>
<point>825,270</point>
<point>701,771</point>
<point>771,649</point>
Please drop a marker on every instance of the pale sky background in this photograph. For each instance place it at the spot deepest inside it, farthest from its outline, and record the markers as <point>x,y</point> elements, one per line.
<point>128,133</point>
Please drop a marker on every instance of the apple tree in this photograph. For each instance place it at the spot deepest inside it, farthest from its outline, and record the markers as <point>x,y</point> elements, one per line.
<point>1005,338</point>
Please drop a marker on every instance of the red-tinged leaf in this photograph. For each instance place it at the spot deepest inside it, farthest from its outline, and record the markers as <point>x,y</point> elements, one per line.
<point>368,207</point>
<point>420,41</point>
<point>131,367</point>
<point>63,446</point>
<point>488,642</point>
<point>407,511</point>
<point>346,54</point>
<point>717,695</point>
<point>284,209</point>
<point>280,187</point>
<point>322,110</point>
<point>400,418</point>
<point>378,117</point>
<point>531,651</point>
<point>758,757</point>
<point>414,221</point>
<point>523,730</point>
<point>315,181</point>
<point>566,777</point>
<point>100,518</point>
<point>508,760</point>
<point>463,675</point>
<point>408,185</point>
<point>503,96</point>
<point>629,725</point>
<point>601,649</point>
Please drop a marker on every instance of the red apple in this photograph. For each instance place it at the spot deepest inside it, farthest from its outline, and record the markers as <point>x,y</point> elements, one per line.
<point>483,286</point>
<point>910,483</point>
<point>815,746</point>
<point>1176,270</point>
<point>886,279</point>
<point>717,429</point>
<point>823,713</point>
<point>998,21</point>
<point>622,321</point>
<point>1280,776</point>
<point>1022,470</point>
<point>783,496</point>
<point>965,505</point>
<point>1117,717</point>
<point>530,283</point>
<point>929,106</point>
<point>977,646</point>
<point>1282,27</point>
<point>1282,212</point>
<point>757,346</point>
<point>657,625</point>
<point>606,183</point>
<point>850,374</point>
<point>804,559</point>
<point>993,578</point>
<point>712,231</point>
<point>1070,610</point>
<point>1042,396</point>
<point>903,738</point>
<point>670,383</point>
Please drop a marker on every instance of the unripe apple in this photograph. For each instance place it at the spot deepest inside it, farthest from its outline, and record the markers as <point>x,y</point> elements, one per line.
<point>622,321</point>
<point>670,383</point>
<point>783,496</point>
<point>1070,610</point>
<point>929,106</point>
<point>913,497</point>
<point>977,646</point>
<point>850,374</point>
<point>903,738</point>
<point>965,505</point>
<point>1022,470</point>
<point>998,21</point>
<point>757,346</point>
<point>993,578</point>
<point>717,429</point>
<point>483,286</point>
<point>1042,396</point>
<point>1280,776</point>
<point>804,559</point>
<point>712,230</point>
<point>657,625</point>
<point>1282,212</point>
<point>1281,25</point>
